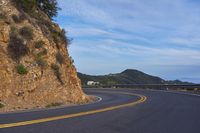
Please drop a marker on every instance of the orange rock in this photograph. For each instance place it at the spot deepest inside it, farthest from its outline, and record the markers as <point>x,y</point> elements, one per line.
<point>40,86</point>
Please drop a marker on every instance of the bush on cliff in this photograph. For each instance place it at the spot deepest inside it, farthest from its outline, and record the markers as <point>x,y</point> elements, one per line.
<point>26,32</point>
<point>21,69</point>
<point>57,72</point>
<point>60,58</point>
<point>1,105</point>
<point>49,7</point>
<point>16,47</point>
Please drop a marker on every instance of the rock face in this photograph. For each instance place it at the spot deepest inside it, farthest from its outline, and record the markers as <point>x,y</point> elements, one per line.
<point>47,74</point>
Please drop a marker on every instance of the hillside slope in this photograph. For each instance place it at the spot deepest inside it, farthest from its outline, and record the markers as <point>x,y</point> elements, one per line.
<point>35,67</point>
<point>129,76</point>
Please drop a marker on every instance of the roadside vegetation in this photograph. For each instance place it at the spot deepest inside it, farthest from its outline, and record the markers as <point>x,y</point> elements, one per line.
<point>1,105</point>
<point>51,105</point>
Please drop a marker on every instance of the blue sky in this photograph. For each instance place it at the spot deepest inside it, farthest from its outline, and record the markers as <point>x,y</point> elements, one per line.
<point>158,37</point>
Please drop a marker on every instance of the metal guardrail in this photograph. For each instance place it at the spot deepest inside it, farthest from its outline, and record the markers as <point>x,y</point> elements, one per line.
<point>151,86</point>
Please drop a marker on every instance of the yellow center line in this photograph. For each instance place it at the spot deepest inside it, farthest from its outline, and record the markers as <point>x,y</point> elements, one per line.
<point>141,100</point>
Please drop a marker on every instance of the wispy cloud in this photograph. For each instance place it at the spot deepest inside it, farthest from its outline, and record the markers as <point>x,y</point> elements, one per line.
<point>147,33</point>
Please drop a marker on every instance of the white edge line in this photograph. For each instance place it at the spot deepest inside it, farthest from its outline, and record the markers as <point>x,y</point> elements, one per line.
<point>99,99</point>
<point>59,107</point>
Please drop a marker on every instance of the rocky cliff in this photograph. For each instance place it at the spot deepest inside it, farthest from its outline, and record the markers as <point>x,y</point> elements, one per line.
<point>35,67</point>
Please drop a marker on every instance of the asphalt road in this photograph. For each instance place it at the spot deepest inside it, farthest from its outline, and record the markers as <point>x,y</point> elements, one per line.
<point>119,111</point>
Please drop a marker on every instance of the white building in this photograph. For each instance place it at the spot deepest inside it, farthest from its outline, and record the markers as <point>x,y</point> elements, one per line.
<point>92,83</point>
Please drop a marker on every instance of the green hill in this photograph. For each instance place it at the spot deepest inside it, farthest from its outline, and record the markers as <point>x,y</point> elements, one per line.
<point>129,76</point>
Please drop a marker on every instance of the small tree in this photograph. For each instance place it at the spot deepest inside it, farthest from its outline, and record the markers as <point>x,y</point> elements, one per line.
<point>49,7</point>
<point>26,5</point>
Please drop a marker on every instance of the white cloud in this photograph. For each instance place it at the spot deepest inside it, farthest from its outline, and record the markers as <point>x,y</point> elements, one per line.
<point>143,32</point>
<point>155,56</point>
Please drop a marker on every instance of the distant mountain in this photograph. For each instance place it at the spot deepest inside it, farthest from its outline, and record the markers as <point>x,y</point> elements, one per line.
<point>129,76</point>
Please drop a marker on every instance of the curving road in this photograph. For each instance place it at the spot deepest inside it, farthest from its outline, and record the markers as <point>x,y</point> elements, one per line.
<point>119,111</point>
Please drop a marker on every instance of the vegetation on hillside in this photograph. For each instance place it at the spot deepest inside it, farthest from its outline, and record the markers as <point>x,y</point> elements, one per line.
<point>128,76</point>
<point>125,77</point>
<point>16,47</point>
<point>21,69</point>
<point>26,32</point>
<point>1,105</point>
<point>49,7</point>
<point>57,72</point>
<point>36,69</point>
<point>39,44</point>
<point>51,105</point>
<point>21,37</point>
<point>60,58</point>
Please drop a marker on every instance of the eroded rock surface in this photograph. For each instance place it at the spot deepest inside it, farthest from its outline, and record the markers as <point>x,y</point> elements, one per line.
<point>40,86</point>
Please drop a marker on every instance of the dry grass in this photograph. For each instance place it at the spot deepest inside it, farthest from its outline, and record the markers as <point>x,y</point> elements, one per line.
<point>51,105</point>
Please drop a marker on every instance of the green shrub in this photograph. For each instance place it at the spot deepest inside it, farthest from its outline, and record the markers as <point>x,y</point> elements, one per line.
<point>69,42</point>
<point>42,53</point>
<point>18,19</point>
<point>26,5</point>
<point>44,28</point>
<point>56,38</point>
<point>27,32</point>
<point>60,58</point>
<point>49,7</point>
<point>54,105</point>
<point>1,105</point>
<point>57,72</point>
<point>13,31</point>
<point>39,44</point>
<point>55,67</point>
<point>2,15</point>
<point>64,38</point>
<point>21,69</point>
<point>60,37</point>
<point>22,17</point>
<point>15,18</point>
<point>16,47</point>
<point>71,60</point>
<point>42,63</point>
